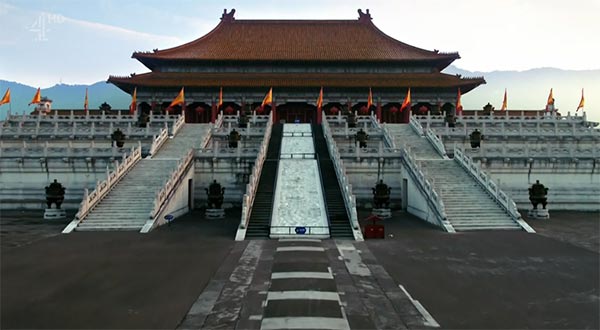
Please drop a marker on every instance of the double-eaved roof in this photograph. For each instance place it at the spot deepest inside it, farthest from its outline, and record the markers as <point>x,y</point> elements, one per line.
<point>295,41</point>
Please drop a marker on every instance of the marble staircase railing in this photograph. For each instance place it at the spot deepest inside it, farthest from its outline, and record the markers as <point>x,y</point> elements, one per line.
<point>248,199</point>
<point>525,150</point>
<point>517,130</point>
<point>74,132</point>
<point>90,200</point>
<point>165,193</point>
<point>416,125</point>
<point>47,150</point>
<point>434,200</point>
<point>478,119</point>
<point>177,125</point>
<point>491,187</point>
<point>345,185</point>
<point>159,140</point>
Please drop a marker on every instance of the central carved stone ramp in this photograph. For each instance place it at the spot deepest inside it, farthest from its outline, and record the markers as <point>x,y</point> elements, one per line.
<point>262,209</point>
<point>128,205</point>
<point>468,206</point>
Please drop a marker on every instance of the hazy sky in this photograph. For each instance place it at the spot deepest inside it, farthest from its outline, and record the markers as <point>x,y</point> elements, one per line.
<point>48,41</point>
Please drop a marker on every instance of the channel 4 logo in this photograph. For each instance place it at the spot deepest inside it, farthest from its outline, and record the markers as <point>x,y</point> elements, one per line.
<point>41,25</point>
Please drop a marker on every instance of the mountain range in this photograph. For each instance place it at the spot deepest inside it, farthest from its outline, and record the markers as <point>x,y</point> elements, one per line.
<point>525,89</point>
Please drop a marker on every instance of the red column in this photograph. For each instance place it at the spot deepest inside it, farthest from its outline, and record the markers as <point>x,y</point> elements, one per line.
<point>213,113</point>
<point>378,111</point>
<point>406,115</point>
<point>274,111</point>
<point>349,104</point>
<point>319,116</point>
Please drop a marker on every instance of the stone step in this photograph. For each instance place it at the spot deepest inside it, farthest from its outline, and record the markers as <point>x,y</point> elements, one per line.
<point>118,215</point>
<point>486,216</point>
<point>485,228</point>
<point>111,222</point>
<point>133,228</point>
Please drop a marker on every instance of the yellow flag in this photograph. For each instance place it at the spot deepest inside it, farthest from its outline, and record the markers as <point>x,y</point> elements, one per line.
<point>582,102</point>
<point>220,98</point>
<point>406,103</point>
<point>459,107</point>
<point>268,98</point>
<point>180,99</point>
<point>320,100</point>
<point>6,97</point>
<point>504,102</point>
<point>37,98</point>
<point>133,105</point>
<point>369,99</point>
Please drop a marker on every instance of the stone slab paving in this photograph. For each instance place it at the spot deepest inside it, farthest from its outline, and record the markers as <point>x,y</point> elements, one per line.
<point>307,284</point>
<point>477,280</point>
<point>497,279</point>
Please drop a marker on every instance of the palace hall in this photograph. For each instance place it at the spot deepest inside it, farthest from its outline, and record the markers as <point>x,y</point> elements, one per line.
<point>232,67</point>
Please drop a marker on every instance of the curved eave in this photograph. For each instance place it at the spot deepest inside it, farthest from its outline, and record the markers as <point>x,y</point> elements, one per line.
<point>154,63</point>
<point>247,81</point>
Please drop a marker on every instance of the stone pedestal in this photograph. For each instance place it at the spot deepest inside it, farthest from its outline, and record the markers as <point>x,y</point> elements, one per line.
<point>382,213</point>
<point>55,214</point>
<point>214,214</point>
<point>538,214</point>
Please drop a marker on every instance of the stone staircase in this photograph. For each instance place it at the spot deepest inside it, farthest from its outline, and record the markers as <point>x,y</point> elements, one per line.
<point>467,204</point>
<point>420,146</point>
<point>339,222</point>
<point>128,205</point>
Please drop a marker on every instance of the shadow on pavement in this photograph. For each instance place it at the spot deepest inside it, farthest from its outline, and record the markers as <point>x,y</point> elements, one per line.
<point>113,279</point>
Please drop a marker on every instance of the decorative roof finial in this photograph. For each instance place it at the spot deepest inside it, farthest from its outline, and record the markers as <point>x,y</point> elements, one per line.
<point>364,17</point>
<point>228,16</point>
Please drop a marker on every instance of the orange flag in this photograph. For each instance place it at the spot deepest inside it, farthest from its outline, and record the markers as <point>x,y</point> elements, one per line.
<point>406,103</point>
<point>320,100</point>
<point>85,102</point>
<point>370,99</point>
<point>580,106</point>
<point>220,98</point>
<point>133,105</point>
<point>550,101</point>
<point>268,98</point>
<point>180,99</point>
<point>459,107</point>
<point>6,97</point>
<point>504,102</point>
<point>37,98</point>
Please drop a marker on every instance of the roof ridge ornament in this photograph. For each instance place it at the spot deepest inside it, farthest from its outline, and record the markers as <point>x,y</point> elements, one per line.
<point>228,16</point>
<point>364,17</point>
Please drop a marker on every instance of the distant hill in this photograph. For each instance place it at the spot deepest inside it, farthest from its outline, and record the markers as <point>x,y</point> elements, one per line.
<point>526,90</point>
<point>529,89</point>
<point>64,96</point>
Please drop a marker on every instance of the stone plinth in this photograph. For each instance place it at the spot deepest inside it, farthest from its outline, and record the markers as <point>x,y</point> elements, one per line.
<point>55,214</point>
<point>214,214</point>
<point>538,214</point>
<point>382,213</point>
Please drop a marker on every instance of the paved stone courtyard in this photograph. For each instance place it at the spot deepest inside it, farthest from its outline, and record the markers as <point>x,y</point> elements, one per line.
<point>109,280</point>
